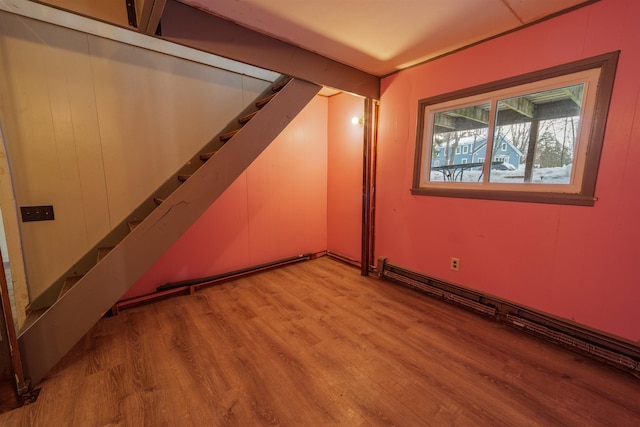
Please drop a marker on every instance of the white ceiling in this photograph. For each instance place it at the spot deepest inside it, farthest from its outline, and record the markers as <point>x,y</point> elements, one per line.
<point>382,36</point>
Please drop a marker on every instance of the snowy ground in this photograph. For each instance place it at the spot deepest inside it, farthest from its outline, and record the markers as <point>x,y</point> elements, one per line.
<point>556,175</point>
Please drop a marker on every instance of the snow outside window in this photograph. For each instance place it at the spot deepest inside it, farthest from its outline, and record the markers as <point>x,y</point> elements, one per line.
<point>544,132</point>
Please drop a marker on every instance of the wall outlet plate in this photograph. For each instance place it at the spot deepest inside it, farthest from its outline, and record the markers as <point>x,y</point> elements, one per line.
<point>37,213</point>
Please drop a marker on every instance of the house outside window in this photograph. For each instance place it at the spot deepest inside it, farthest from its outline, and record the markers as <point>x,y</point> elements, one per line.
<point>548,127</point>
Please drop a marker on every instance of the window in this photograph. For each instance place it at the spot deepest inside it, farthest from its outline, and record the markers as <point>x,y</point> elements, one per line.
<point>543,130</point>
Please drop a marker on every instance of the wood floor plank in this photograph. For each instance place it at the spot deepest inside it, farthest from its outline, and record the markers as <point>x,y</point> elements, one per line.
<point>315,343</point>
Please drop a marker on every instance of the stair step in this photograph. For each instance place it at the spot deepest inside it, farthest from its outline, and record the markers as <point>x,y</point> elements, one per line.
<point>69,282</point>
<point>206,156</point>
<point>102,252</point>
<point>280,85</point>
<point>183,178</point>
<point>133,225</point>
<point>227,136</point>
<point>264,101</point>
<point>243,120</point>
<point>158,200</point>
<point>32,316</point>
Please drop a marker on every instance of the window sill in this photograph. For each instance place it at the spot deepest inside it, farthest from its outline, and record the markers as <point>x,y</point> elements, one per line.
<point>510,196</point>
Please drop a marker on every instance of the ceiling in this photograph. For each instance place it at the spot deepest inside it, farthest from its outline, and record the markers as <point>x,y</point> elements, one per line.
<point>382,36</point>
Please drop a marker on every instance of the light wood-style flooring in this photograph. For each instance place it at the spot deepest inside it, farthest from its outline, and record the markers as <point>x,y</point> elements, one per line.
<point>316,344</point>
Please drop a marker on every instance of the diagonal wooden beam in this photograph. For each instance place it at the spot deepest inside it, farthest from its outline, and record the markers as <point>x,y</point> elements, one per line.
<point>149,14</point>
<point>195,28</point>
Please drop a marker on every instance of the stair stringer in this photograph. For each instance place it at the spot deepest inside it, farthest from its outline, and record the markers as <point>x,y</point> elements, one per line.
<point>54,333</point>
<point>121,230</point>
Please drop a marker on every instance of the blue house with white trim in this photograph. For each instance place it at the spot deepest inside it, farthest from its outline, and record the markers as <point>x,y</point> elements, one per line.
<point>472,150</point>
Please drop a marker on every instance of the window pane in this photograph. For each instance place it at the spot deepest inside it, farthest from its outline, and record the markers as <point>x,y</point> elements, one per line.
<point>539,132</point>
<point>458,144</point>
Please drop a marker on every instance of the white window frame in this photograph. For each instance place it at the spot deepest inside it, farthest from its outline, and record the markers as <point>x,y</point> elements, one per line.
<point>597,75</point>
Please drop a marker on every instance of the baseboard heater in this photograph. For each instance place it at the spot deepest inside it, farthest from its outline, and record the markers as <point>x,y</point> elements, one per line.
<point>606,348</point>
<point>191,285</point>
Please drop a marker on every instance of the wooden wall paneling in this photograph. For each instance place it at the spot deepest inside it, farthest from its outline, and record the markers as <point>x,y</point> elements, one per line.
<point>177,107</point>
<point>89,159</point>
<point>7,195</point>
<point>561,261</point>
<point>276,209</point>
<point>344,180</point>
<point>62,325</point>
<point>113,12</point>
<point>93,126</point>
<point>38,145</point>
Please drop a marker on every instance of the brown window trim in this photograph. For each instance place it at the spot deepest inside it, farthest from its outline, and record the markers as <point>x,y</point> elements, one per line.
<point>586,196</point>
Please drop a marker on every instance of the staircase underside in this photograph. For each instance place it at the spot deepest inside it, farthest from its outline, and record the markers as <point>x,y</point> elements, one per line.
<point>53,334</point>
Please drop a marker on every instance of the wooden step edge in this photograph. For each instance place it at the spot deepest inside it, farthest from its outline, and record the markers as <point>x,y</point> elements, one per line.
<point>133,224</point>
<point>183,178</point>
<point>158,200</point>
<point>102,252</point>
<point>32,316</point>
<point>69,282</point>
<point>280,85</point>
<point>227,136</point>
<point>264,101</point>
<point>243,120</point>
<point>206,156</point>
<point>31,309</point>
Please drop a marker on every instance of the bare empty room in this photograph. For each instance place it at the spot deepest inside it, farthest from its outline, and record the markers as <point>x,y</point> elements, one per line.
<point>320,213</point>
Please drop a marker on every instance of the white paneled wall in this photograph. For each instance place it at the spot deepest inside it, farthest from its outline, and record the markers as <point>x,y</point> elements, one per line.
<point>92,126</point>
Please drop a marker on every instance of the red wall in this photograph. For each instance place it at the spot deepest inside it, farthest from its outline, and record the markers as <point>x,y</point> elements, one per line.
<point>344,176</point>
<point>274,210</point>
<point>574,262</point>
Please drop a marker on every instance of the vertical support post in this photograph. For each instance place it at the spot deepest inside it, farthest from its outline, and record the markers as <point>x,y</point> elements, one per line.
<point>531,150</point>
<point>16,361</point>
<point>366,185</point>
<point>372,187</point>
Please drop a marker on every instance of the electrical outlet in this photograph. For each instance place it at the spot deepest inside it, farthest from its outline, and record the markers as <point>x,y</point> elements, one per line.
<point>37,213</point>
<point>455,264</point>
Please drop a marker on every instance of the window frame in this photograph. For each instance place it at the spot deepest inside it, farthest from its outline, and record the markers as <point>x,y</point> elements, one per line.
<point>585,194</point>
